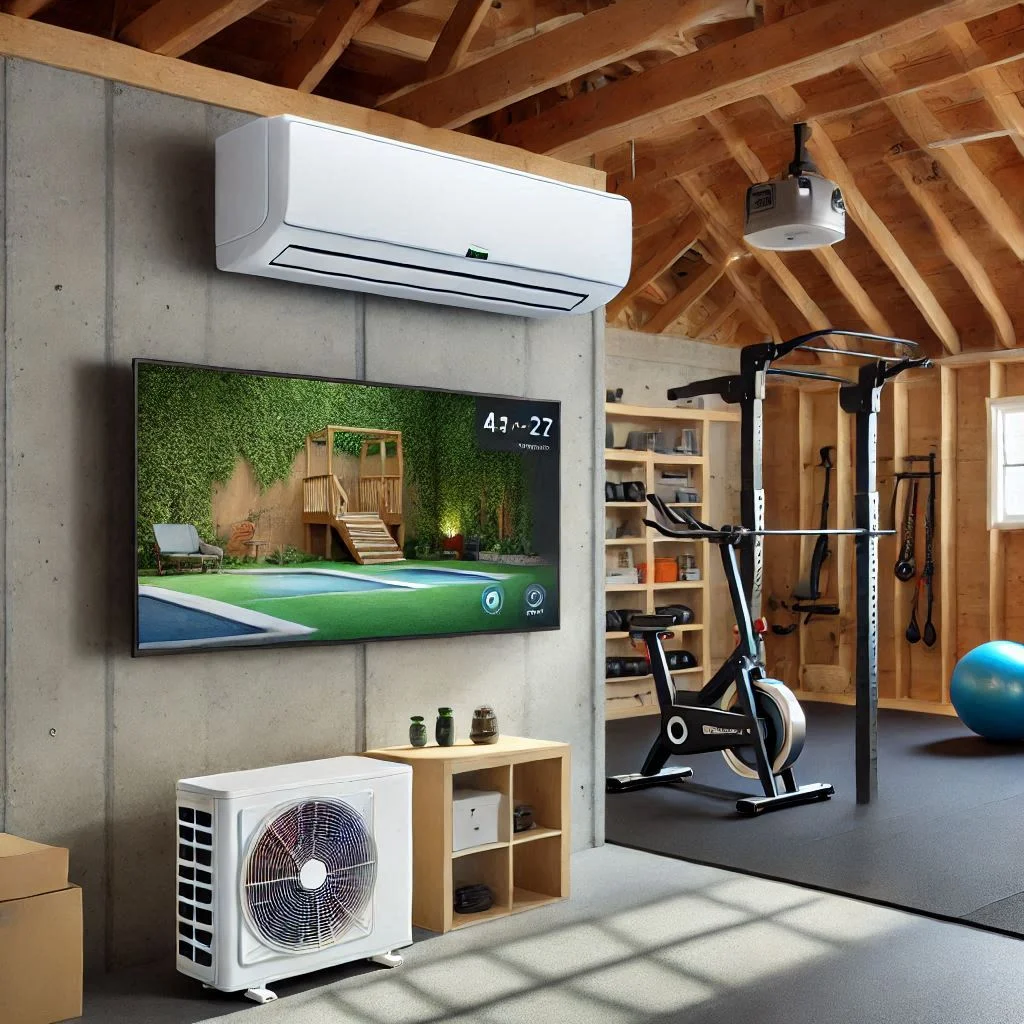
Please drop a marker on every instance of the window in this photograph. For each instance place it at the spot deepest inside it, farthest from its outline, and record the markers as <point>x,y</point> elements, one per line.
<point>1006,464</point>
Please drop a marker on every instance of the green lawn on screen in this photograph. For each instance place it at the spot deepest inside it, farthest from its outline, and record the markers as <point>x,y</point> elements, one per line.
<point>443,608</point>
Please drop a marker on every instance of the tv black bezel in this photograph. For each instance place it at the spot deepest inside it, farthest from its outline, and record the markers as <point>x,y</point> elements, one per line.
<point>298,644</point>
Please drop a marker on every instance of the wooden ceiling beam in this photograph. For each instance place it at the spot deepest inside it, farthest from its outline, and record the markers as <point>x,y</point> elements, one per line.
<point>842,277</point>
<point>681,239</point>
<point>718,318</point>
<point>111,61</point>
<point>921,124</point>
<point>455,37</point>
<point>957,251</point>
<point>25,8</point>
<point>1001,98</point>
<point>173,27</point>
<point>804,46</point>
<point>324,42</point>
<point>553,58</point>
<point>675,308</point>
<point>750,302</point>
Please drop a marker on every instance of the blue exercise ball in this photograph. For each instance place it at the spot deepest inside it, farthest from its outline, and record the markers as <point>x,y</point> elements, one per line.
<point>987,690</point>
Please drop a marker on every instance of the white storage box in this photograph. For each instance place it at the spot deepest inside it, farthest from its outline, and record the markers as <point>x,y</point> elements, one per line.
<point>476,818</point>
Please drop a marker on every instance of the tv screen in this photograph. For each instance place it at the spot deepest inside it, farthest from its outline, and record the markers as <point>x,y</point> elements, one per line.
<point>286,510</point>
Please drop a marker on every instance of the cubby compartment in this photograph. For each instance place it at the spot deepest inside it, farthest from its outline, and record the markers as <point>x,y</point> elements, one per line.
<point>488,867</point>
<point>485,780</point>
<point>537,873</point>
<point>539,784</point>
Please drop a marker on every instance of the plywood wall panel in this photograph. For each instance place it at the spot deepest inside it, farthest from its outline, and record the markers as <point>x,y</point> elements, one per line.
<point>971,509</point>
<point>924,681</point>
<point>782,554</point>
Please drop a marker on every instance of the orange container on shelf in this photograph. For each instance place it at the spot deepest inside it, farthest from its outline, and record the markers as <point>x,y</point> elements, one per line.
<point>666,570</point>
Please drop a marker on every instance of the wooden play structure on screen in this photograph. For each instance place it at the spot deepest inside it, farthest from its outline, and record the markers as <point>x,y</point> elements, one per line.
<point>357,497</point>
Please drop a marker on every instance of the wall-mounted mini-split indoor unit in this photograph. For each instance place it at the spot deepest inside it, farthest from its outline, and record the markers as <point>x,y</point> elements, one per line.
<point>291,869</point>
<point>325,205</point>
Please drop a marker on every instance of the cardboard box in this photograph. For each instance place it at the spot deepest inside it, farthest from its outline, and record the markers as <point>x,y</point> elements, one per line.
<point>27,868</point>
<point>41,957</point>
<point>40,934</point>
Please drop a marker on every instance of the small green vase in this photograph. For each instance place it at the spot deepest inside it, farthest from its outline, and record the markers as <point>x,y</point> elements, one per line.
<point>418,732</point>
<point>444,731</point>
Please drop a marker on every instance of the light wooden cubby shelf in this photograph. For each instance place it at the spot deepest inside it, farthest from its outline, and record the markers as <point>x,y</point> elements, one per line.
<point>524,870</point>
<point>631,696</point>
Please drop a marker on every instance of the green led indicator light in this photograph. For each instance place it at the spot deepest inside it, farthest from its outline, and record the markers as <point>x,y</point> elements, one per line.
<point>474,252</point>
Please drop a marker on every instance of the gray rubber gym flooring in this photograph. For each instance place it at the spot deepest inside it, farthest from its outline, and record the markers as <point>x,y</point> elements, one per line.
<point>946,835</point>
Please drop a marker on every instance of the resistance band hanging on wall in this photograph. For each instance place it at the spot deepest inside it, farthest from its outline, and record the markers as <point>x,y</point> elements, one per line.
<point>906,565</point>
<point>807,593</point>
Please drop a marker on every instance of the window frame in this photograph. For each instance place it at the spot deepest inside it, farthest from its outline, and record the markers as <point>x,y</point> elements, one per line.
<point>997,517</point>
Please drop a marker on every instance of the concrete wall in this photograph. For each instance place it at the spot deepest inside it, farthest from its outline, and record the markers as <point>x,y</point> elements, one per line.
<point>645,366</point>
<point>108,214</point>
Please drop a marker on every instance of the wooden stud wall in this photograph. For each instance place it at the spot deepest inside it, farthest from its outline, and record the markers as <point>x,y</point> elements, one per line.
<point>977,571</point>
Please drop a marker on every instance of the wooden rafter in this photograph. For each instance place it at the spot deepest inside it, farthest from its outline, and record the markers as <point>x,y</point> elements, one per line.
<point>805,46</point>
<point>958,252</point>
<point>1001,98</point>
<point>552,58</point>
<point>324,42</point>
<point>691,292</point>
<point>25,8</point>
<point>882,240</point>
<point>455,37</point>
<point>750,302</point>
<point>920,124</point>
<point>680,240</point>
<point>847,285</point>
<point>718,318</point>
<point>173,27</point>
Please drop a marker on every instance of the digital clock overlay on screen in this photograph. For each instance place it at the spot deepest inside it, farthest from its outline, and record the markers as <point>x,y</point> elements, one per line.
<point>286,510</point>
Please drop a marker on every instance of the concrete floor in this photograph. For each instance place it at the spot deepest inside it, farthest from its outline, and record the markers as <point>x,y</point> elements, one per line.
<point>644,939</point>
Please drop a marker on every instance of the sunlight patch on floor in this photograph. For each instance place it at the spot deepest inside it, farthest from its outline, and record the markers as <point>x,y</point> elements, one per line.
<point>655,987</point>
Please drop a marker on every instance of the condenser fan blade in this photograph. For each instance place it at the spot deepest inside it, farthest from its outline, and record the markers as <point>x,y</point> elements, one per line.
<point>309,875</point>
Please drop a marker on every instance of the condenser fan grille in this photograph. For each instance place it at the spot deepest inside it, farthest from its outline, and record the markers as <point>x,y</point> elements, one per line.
<point>308,877</point>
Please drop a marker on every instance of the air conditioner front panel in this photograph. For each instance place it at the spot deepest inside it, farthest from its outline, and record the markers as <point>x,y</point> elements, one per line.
<point>317,204</point>
<point>343,182</point>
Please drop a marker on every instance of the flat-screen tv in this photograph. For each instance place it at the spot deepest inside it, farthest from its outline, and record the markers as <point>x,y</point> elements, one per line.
<point>276,510</point>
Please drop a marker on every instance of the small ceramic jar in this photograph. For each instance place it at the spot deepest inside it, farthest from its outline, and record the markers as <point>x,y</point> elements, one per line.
<point>418,731</point>
<point>444,730</point>
<point>485,725</point>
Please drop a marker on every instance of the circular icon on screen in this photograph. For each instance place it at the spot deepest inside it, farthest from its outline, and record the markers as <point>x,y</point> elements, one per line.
<point>535,596</point>
<point>492,599</point>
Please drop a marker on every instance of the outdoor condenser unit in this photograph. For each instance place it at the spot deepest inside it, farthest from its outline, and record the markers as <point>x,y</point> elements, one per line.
<point>291,869</point>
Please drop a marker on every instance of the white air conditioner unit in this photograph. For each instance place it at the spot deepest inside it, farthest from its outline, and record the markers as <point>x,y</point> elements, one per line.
<point>324,205</point>
<point>291,869</point>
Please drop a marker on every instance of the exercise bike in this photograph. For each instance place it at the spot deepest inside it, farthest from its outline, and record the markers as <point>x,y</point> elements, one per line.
<point>756,722</point>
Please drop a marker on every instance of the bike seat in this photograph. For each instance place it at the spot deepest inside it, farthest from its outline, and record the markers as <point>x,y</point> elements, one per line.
<point>650,623</point>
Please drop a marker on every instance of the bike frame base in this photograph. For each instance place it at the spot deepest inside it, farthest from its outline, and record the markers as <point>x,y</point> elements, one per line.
<point>809,794</point>
<point>626,783</point>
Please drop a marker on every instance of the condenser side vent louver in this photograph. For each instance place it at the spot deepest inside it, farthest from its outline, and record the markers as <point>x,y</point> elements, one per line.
<point>195,883</point>
<point>329,206</point>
